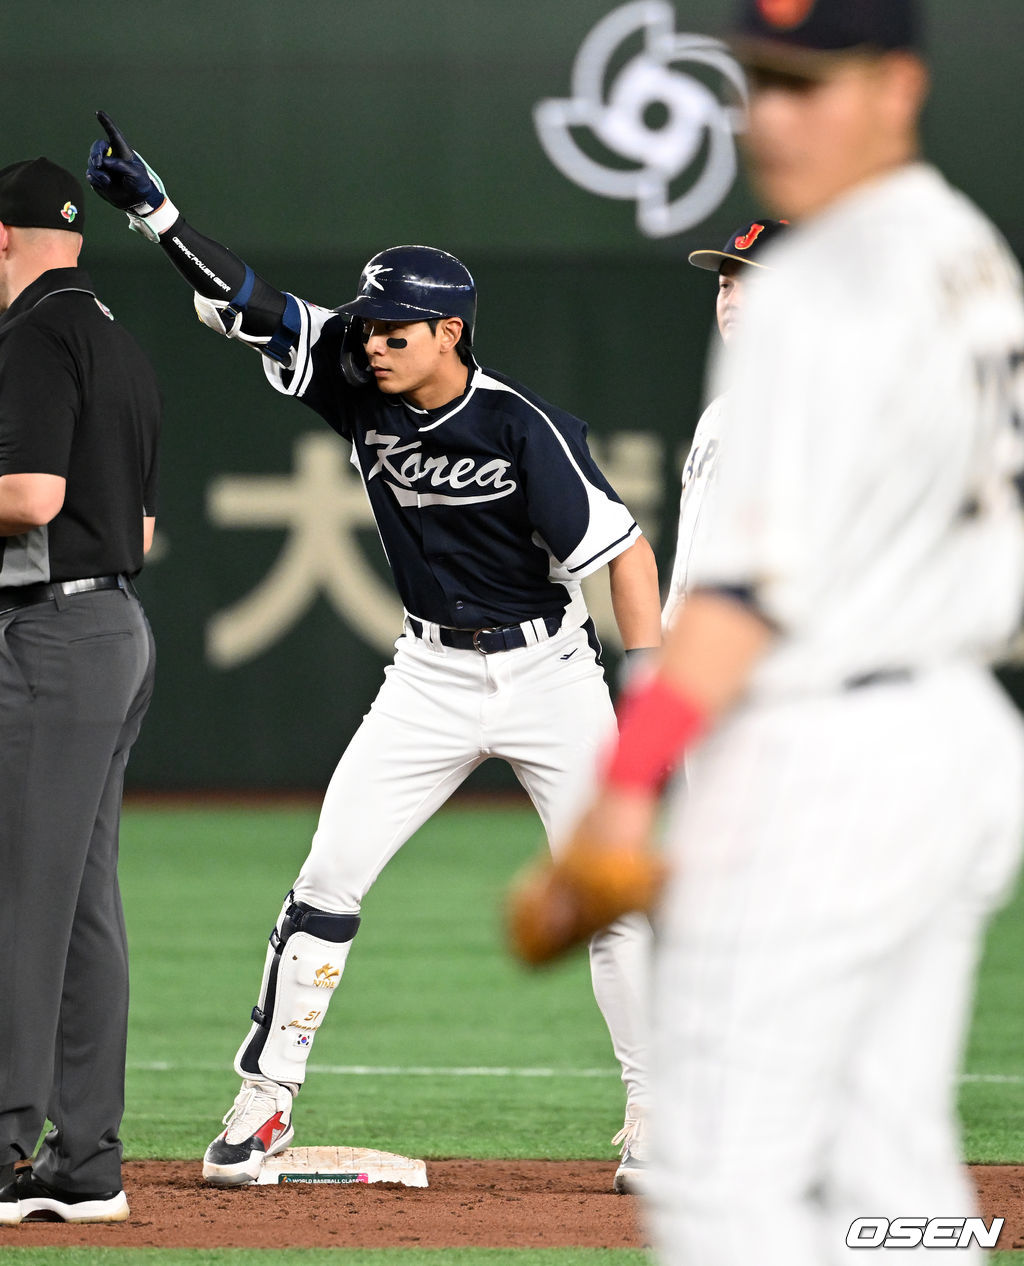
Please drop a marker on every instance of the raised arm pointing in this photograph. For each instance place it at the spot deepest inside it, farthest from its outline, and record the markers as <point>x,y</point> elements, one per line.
<point>229,297</point>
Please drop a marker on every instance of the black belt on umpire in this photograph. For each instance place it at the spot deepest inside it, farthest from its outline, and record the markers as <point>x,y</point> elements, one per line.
<point>510,637</point>
<point>14,596</point>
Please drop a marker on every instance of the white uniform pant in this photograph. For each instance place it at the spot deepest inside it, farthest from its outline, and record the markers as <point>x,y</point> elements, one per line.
<point>440,713</point>
<point>835,861</point>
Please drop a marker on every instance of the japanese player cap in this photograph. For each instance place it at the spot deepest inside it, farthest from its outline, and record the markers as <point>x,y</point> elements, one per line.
<point>37,194</point>
<point>804,38</point>
<point>745,245</point>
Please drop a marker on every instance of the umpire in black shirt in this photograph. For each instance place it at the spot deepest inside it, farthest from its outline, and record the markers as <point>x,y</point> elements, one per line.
<point>79,421</point>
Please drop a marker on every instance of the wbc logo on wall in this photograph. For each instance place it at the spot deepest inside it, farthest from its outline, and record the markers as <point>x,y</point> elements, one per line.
<point>654,124</point>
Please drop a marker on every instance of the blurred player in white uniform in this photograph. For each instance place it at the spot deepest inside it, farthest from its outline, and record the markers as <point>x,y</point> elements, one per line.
<point>742,253</point>
<point>854,812</point>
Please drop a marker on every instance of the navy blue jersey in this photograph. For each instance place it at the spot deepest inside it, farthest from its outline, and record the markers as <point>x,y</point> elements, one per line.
<point>491,508</point>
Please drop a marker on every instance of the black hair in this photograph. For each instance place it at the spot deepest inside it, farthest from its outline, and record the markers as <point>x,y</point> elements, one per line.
<point>463,346</point>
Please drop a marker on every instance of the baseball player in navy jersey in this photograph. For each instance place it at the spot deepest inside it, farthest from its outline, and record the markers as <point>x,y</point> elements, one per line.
<point>853,808</point>
<point>735,265</point>
<point>491,511</point>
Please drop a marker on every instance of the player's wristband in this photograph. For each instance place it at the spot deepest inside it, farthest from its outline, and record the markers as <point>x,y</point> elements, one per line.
<point>153,223</point>
<point>656,724</point>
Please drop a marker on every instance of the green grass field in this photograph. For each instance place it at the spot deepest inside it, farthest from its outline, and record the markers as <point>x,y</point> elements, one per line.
<point>428,997</point>
<point>437,1044</point>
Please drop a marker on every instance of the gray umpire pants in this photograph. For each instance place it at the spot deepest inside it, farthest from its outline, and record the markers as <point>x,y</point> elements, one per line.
<point>76,676</point>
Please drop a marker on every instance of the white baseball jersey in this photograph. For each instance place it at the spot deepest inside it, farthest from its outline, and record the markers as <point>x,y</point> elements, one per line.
<point>867,494</point>
<point>698,473</point>
<point>846,830</point>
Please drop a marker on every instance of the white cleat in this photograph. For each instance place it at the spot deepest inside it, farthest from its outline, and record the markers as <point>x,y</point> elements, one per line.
<point>259,1125</point>
<point>631,1175</point>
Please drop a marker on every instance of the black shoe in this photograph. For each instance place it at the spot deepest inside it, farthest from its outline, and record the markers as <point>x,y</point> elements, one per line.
<point>10,1209</point>
<point>37,1201</point>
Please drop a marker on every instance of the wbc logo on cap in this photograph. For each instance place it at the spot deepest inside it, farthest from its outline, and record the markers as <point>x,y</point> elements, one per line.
<point>784,14</point>
<point>69,211</point>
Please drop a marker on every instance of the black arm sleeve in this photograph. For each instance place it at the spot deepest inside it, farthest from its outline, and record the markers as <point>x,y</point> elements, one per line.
<point>217,273</point>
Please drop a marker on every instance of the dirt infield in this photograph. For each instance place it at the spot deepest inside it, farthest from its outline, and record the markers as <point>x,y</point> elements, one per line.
<point>487,1204</point>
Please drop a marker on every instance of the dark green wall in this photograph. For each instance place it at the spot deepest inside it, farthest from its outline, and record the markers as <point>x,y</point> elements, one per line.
<point>308,136</point>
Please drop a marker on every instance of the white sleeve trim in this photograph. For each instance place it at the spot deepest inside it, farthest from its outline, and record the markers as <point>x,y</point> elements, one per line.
<point>295,381</point>
<point>611,529</point>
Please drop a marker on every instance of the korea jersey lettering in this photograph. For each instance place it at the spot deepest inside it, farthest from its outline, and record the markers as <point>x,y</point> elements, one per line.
<point>491,509</point>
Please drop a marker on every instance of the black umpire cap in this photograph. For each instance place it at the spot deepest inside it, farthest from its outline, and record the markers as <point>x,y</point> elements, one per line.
<point>37,194</point>
<point>744,246</point>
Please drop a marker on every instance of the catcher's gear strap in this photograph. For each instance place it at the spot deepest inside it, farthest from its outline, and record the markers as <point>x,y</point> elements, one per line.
<point>305,960</point>
<point>300,917</point>
<point>656,723</point>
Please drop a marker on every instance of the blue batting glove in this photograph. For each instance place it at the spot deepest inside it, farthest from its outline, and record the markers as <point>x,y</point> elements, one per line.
<point>120,176</point>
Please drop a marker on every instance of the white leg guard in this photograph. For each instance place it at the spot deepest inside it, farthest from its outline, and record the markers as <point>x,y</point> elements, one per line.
<point>306,958</point>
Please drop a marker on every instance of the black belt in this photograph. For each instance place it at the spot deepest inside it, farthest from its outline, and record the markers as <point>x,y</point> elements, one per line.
<point>510,637</point>
<point>15,596</point>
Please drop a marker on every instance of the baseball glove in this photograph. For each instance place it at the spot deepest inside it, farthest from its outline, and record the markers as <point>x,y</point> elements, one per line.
<point>556,905</point>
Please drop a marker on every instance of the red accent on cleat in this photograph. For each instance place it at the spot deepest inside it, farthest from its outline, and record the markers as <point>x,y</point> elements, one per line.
<point>270,1130</point>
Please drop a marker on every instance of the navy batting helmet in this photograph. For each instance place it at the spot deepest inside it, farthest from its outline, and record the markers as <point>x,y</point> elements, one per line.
<point>415,283</point>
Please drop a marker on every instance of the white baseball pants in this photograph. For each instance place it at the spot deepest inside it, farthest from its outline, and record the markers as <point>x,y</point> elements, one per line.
<point>835,861</point>
<point>440,713</point>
